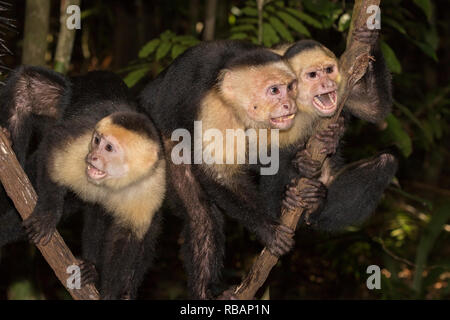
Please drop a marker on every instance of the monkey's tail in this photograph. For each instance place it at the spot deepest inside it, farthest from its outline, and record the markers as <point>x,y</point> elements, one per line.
<point>354,195</point>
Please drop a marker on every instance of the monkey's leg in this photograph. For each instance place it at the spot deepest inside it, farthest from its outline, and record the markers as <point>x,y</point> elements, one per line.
<point>41,224</point>
<point>354,193</point>
<point>94,227</point>
<point>247,206</point>
<point>204,239</point>
<point>144,259</point>
<point>121,251</point>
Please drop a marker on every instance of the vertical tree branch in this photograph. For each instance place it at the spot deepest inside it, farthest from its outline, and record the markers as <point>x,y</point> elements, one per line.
<point>210,20</point>
<point>37,17</point>
<point>66,38</point>
<point>19,189</point>
<point>260,6</point>
<point>353,65</point>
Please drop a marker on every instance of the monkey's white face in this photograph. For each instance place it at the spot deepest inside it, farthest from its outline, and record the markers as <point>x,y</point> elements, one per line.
<point>106,159</point>
<point>319,83</point>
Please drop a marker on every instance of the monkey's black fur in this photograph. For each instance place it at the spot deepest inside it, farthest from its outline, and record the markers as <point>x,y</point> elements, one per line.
<point>172,100</point>
<point>120,258</point>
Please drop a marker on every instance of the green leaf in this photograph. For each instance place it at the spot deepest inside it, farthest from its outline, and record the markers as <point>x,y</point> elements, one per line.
<point>133,77</point>
<point>166,35</point>
<point>426,132</point>
<point>344,22</point>
<point>244,27</point>
<point>426,7</point>
<point>305,17</point>
<point>294,23</point>
<point>427,49</point>
<point>398,135</point>
<point>149,48</point>
<point>253,12</point>
<point>270,36</point>
<point>252,21</point>
<point>177,50</point>
<point>390,57</point>
<point>427,241</point>
<point>163,50</point>
<point>239,36</point>
<point>394,24</point>
<point>281,29</point>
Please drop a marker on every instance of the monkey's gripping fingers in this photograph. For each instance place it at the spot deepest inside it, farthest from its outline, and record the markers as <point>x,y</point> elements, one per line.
<point>331,136</point>
<point>39,228</point>
<point>306,166</point>
<point>89,274</point>
<point>311,196</point>
<point>7,135</point>
<point>282,240</point>
<point>366,36</point>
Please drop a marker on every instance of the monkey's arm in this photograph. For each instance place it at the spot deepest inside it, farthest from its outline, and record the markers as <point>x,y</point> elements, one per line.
<point>41,224</point>
<point>248,207</point>
<point>354,192</point>
<point>371,97</point>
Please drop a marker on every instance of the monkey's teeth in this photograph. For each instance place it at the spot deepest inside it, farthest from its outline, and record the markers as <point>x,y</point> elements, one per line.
<point>284,118</point>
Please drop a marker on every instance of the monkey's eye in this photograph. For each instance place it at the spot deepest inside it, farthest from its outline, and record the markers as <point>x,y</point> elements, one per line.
<point>274,90</point>
<point>96,140</point>
<point>291,86</point>
<point>108,147</point>
<point>329,69</point>
<point>312,75</point>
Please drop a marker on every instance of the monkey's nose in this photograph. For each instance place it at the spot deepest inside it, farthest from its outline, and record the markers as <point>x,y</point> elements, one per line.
<point>286,106</point>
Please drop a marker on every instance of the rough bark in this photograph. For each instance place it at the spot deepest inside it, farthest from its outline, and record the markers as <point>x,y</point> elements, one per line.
<point>19,189</point>
<point>37,18</point>
<point>210,20</point>
<point>66,38</point>
<point>353,65</point>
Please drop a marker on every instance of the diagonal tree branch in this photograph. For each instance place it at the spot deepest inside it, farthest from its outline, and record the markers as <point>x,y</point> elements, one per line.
<point>19,189</point>
<point>353,65</point>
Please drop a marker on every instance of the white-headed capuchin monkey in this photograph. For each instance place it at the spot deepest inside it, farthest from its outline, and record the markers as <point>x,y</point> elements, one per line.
<point>352,195</point>
<point>103,154</point>
<point>236,85</point>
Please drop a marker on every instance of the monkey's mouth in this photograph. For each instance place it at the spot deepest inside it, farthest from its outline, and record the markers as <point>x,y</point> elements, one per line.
<point>326,102</point>
<point>283,122</point>
<point>94,173</point>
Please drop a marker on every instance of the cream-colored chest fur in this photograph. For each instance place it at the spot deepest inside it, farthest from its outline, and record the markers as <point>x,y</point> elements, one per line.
<point>133,206</point>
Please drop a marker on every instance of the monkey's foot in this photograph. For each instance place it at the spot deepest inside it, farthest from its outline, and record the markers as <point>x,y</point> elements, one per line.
<point>310,197</point>
<point>39,228</point>
<point>306,166</point>
<point>89,274</point>
<point>366,36</point>
<point>228,294</point>
<point>331,136</point>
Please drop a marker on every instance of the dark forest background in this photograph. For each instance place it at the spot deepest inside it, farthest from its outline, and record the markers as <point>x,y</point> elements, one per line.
<point>408,236</point>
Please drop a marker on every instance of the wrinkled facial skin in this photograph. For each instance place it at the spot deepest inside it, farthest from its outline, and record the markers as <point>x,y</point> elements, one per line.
<point>263,96</point>
<point>106,159</point>
<point>281,101</point>
<point>318,76</point>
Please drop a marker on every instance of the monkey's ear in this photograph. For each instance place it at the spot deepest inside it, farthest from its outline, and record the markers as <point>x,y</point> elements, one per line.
<point>226,82</point>
<point>34,90</point>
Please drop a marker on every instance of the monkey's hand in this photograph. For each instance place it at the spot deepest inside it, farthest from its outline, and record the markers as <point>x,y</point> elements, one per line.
<point>279,239</point>
<point>89,274</point>
<point>366,36</point>
<point>40,227</point>
<point>306,166</point>
<point>310,197</point>
<point>331,136</point>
